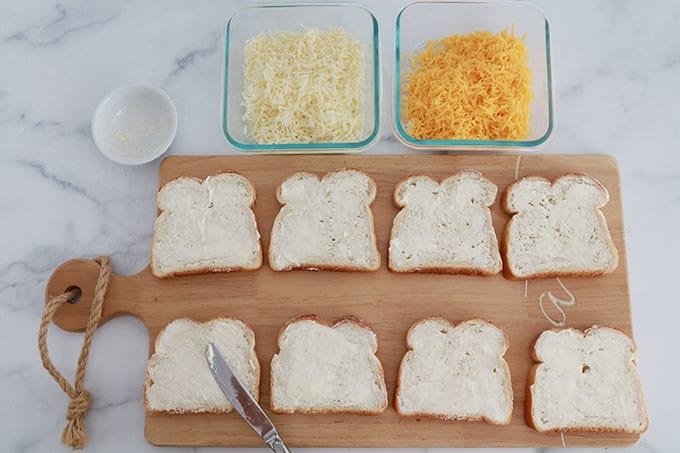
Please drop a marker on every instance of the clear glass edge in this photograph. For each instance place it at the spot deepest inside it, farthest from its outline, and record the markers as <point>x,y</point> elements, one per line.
<point>315,147</point>
<point>461,145</point>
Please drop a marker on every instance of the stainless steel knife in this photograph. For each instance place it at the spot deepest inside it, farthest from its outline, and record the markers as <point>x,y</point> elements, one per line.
<point>243,402</point>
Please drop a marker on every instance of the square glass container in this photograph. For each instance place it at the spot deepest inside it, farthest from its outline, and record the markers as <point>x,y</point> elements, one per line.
<point>250,21</point>
<point>421,22</point>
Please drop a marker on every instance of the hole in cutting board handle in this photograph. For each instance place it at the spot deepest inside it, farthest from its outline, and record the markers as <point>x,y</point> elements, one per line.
<point>78,294</point>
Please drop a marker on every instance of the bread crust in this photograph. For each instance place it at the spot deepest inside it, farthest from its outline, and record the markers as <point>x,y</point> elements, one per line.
<point>423,175</point>
<point>318,320</point>
<point>397,390</point>
<point>148,380</point>
<point>552,182</point>
<point>505,237</point>
<point>206,269</point>
<point>322,266</point>
<point>451,270</point>
<point>531,379</point>
<point>443,271</point>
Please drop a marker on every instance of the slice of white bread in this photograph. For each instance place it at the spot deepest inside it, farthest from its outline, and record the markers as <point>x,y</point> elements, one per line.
<point>585,381</point>
<point>455,372</point>
<point>205,226</point>
<point>557,229</point>
<point>178,379</point>
<point>324,368</point>
<point>445,228</point>
<point>325,224</point>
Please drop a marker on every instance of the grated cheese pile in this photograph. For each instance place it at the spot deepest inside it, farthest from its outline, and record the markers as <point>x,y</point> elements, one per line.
<point>475,86</point>
<point>304,87</point>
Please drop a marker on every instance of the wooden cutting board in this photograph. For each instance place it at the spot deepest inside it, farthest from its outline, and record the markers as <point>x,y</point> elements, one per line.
<point>389,302</point>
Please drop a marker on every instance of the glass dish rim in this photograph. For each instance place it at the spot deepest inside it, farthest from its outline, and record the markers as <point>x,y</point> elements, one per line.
<point>319,146</point>
<point>508,145</point>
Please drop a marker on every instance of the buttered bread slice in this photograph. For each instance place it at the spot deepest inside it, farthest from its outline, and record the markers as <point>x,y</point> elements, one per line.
<point>178,379</point>
<point>557,228</point>
<point>325,224</point>
<point>585,381</point>
<point>205,226</point>
<point>445,227</point>
<point>455,372</point>
<point>324,368</point>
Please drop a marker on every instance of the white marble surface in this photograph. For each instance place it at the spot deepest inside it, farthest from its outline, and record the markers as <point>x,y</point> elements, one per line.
<point>617,91</point>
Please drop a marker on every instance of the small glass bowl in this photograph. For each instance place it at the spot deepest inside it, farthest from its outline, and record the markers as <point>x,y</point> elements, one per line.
<point>253,20</point>
<point>134,125</point>
<point>420,22</point>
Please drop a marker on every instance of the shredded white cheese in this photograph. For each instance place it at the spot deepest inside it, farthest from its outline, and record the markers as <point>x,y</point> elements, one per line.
<point>304,87</point>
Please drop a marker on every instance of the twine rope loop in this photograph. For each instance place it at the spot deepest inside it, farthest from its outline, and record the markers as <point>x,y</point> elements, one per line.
<point>74,434</point>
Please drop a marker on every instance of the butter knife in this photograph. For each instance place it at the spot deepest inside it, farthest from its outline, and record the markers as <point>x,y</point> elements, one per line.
<point>243,402</point>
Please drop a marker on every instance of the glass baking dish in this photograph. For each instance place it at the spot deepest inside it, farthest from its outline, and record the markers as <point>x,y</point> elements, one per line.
<point>420,22</point>
<point>253,20</point>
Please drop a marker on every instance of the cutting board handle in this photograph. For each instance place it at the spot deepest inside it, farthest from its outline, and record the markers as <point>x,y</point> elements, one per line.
<point>83,274</point>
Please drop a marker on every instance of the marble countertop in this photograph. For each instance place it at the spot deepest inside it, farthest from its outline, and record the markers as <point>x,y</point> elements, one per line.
<point>616,76</point>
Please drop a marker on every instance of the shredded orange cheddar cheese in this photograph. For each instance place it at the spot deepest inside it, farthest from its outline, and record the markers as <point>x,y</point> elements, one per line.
<point>475,86</point>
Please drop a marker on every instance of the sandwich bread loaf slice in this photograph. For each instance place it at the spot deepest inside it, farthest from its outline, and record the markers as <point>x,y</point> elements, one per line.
<point>445,227</point>
<point>325,224</point>
<point>324,368</point>
<point>557,229</point>
<point>178,379</point>
<point>585,381</point>
<point>205,226</point>
<point>455,372</point>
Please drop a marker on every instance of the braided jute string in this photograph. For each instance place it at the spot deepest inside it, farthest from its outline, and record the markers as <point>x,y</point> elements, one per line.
<point>74,434</point>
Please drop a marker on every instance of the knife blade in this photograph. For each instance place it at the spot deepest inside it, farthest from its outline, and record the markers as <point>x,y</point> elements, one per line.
<point>242,401</point>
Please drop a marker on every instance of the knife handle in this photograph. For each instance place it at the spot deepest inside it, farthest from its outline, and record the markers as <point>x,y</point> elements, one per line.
<point>277,445</point>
